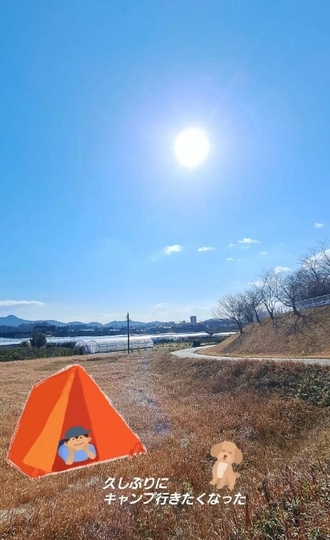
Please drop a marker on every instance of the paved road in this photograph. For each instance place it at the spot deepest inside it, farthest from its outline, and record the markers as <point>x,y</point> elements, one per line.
<point>190,353</point>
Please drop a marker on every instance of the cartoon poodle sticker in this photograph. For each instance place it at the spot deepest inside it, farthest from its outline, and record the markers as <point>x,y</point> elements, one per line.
<point>226,453</point>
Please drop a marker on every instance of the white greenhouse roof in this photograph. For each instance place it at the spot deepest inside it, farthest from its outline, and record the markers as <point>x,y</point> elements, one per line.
<point>98,346</point>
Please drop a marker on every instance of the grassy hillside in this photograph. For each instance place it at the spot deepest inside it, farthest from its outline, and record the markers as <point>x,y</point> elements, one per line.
<point>291,337</point>
<point>277,414</point>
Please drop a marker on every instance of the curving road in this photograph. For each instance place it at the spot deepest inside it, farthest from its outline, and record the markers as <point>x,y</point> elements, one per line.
<point>190,353</point>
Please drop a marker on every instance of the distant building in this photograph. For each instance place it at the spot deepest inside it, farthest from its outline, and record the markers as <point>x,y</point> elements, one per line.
<point>193,319</point>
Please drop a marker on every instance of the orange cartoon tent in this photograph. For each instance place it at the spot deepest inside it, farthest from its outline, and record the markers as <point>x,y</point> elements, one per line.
<point>56,404</point>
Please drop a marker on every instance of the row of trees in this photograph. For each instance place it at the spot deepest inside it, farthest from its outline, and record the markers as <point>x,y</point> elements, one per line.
<point>276,288</point>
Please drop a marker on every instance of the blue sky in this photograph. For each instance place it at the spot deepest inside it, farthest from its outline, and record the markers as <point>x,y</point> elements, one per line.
<point>92,201</point>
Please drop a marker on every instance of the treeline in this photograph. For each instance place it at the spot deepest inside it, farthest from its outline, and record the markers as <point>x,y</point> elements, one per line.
<point>25,330</point>
<point>275,288</point>
<point>28,352</point>
<point>37,347</point>
<point>21,333</point>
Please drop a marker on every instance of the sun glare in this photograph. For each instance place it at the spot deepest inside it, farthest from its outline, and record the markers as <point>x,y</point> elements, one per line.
<point>191,147</point>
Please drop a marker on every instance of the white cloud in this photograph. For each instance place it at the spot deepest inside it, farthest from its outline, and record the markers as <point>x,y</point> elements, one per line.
<point>279,269</point>
<point>14,303</point>
<point>319,257</point>
<point>231,245</point>
<point>230,259</point>
<point>209,248</point>
<point>263,253</point>
<point>160,305</point>
<point>318,225</point>
<point>248,241</point>
<point>172,249</point>
<point>257,283</point>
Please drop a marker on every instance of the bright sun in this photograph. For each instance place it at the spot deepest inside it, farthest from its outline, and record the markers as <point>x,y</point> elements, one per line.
<point>191,147</point>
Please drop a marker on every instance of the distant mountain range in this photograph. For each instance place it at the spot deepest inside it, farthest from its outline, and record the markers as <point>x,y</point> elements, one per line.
<point>15,322</point>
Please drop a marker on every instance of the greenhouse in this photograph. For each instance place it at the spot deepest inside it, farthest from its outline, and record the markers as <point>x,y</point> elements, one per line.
<point>92,346</point>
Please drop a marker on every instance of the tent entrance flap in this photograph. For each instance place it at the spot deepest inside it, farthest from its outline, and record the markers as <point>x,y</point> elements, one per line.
<point>77,409</point>
<point>76,415</point>
<point>42,453</point>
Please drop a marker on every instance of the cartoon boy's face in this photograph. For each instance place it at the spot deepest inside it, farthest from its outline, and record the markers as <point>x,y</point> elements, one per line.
<point>77,443</point>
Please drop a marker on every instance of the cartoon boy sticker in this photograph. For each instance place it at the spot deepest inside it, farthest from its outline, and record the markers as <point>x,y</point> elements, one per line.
<point>76,446</point>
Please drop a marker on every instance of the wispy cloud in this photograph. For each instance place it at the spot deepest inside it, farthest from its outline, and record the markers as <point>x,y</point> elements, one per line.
<point>263,253</point>
<point>279,269</point>
<point>172,249</point>
<point>231,245</point>
<point>318,225</point>
<point>14,303</point>
<point>230,259</point>
<point>257,283</point>
<point>208,248</point>
<point>248,241</point>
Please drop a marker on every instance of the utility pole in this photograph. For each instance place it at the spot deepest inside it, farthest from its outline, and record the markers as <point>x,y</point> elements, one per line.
<point>128,347</point>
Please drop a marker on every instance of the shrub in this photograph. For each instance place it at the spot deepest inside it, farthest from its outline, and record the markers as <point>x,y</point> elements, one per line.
<point>38,339</point>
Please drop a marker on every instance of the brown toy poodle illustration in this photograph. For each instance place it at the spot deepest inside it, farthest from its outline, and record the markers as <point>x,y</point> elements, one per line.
<point>226,454</point>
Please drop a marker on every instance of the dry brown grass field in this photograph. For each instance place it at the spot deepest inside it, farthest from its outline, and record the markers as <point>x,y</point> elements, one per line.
<point>308,336</point>
<point>277,413</point>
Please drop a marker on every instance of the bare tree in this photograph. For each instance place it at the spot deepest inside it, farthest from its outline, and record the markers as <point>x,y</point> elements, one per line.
<point>289,289</point>
<point>325,264</point>
<point>269,292</point>
<point>254,298</point>
<point>208,330</point>
<point>247,307</point>
<point>232,307</point>
<point>316,266</point>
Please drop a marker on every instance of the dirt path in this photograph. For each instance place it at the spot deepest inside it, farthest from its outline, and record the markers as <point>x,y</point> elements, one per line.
<point>191,353</point>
